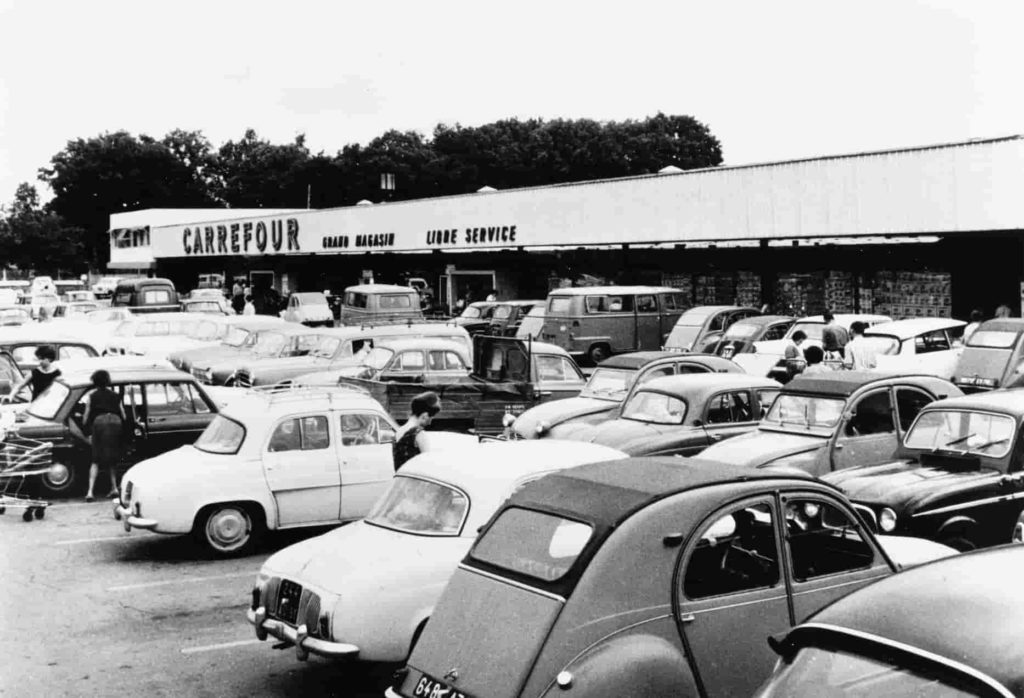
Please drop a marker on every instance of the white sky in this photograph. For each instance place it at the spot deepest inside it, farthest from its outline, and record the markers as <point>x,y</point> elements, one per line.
<point>772,79</point>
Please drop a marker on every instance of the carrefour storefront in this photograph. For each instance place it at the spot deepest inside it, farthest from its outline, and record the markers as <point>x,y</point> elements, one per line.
<point>922,231</point>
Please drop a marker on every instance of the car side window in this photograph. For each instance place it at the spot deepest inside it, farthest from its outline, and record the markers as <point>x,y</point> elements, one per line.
<point>719,322</point>
<point>824,539</point>
<point>658,372</point>
<point>551,368</point>
<point>872,415</point>
<point>25,354</point>
<point>646,304</point>
<point>766,397</point>
<point>909,403</point>
<point>775,332</point>
<point>198,403</point>
<point>363,428</point>
<point>729,407</point>
<point>691,368</point>
<point>168,399</point>
<point>300,434</point>
<point>410,361</point>
<point>736,552</point>
<point>931,341</point>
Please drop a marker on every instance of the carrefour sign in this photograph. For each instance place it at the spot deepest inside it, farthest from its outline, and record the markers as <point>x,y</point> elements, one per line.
<point>244,237</point>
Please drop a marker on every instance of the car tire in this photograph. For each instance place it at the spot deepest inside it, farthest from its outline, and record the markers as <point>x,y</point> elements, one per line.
<point>598,353</point>
<point>59,479</point>
<point>229,529</point>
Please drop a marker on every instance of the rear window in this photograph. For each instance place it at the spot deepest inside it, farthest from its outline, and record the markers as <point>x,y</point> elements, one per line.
<point>532,543</point>
<point>395,301</point>
<point>502,312</point>
<point>355,300</point>
<point>992,339</point>
<point>420,506</point>
<point>160,296</point>
<point>559,304</point>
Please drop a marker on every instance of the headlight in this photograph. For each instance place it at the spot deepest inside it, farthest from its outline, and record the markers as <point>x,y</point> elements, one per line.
<point>324,626</point>
<point>887,520</point>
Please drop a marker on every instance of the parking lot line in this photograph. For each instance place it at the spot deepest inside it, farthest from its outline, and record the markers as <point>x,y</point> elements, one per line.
<point>179,580</point>
<point>79,541</point>
<point>221,646</point>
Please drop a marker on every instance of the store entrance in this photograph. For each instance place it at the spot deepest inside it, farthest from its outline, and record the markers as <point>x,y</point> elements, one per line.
<point>468,286</point>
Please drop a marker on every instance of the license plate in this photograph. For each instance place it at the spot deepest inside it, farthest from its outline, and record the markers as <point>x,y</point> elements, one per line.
<point>429,687</point>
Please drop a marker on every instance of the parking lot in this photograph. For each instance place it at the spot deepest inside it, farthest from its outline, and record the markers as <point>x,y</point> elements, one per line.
<point>90,610</point>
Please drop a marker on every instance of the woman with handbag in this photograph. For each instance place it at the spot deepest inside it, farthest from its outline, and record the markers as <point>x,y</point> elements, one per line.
<point>104,420</point>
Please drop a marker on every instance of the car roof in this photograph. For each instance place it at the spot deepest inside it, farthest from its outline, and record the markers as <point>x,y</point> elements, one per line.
<point>158,317</point>
<point>437,329</point>
<point>82,376</point>
<point>843,382</point>
<point>702,385</point>
<point>709,309</point>
<point>966,608</point>
<point>403,343</point>
<point>506,461</point>
<point>639,359</point>
<point>906,329</point>
<point>609,492</point>
<point>250,322</point>
<point>272,403</point>
<point>1010,401</point>
<point>293,328</point>
<point>381,288</point>
<point>846,318</point>
<point>597,290</point>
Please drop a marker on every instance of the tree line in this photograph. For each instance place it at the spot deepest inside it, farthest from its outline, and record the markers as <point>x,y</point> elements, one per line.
<point>114,172</point>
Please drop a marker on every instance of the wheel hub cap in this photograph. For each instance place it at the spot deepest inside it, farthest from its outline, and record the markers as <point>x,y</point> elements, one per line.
<point>58,475</point>
<point>228,528</point>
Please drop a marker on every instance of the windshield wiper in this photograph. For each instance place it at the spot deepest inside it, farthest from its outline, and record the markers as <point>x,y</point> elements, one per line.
<point>954,442</point>
<point>986,445</point>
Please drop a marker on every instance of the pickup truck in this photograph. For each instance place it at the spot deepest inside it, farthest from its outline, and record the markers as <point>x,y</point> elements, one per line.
<point>509,376</point>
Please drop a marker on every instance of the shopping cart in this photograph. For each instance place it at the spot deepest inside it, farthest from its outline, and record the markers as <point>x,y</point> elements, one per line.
<point>22,459</point>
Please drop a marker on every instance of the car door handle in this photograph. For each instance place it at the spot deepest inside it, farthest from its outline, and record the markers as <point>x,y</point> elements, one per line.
<point>686,618</point>
<point>716,437</point>
<point>155,420</point>
<point>838,447</point>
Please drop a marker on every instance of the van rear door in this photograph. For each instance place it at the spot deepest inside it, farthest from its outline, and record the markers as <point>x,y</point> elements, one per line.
<point>562,310</point>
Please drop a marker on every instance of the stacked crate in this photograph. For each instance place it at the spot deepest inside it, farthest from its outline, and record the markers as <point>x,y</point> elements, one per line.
<point>748,289</point>
<point>716,288</point>
<point>910,294</point>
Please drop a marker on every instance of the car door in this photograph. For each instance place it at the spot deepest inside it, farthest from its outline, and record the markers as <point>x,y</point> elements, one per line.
<point>367,460</point>
<point>176,414</point>
<point>867,435</point>
<point>302,470</point>
<point>556,377</point>
<point>648,322</point>
<point>909,403</point>
<point>726,415</point>
<point>408,367</point>
<point>733,596</point>
<point>828,552</point>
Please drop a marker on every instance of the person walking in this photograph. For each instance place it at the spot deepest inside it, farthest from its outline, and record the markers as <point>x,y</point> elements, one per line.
<point>104,419</point>
<point>42,376</point>
<point>833,338</point>
<point>408,442</point>
<point>860,354</point>
<point>238,302</point>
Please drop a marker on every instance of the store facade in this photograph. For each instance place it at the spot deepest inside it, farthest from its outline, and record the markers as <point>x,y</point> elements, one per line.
<point>930,231</point>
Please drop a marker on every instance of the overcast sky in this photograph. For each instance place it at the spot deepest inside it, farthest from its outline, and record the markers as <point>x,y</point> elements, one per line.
<point>773,80</point>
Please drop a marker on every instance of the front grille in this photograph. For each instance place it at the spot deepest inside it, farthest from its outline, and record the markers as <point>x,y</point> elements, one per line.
<point>270,594</point>
<point>243,380</point>
<point>288,601</point>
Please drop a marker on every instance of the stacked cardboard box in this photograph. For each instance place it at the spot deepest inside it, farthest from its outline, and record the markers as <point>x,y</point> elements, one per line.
<point>748,289</point>
<point>909,294</point>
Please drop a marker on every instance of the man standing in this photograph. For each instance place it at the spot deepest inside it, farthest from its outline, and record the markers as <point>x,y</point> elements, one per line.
<point>833,338</point>
<point>860,354</point>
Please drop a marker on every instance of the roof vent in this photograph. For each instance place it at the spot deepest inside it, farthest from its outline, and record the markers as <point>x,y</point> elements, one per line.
<point>485,189</point>
<point>671,169</point>
<point>364,202</point>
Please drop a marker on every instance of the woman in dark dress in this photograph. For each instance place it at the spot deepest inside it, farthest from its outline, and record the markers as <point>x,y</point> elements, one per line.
<point>104,419</point>
<point>408,442</point>
<point>42,376</point>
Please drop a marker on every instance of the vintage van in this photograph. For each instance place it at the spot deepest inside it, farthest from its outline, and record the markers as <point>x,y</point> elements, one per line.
<point>377,302</point>
<point>599,321</point>
<point>146,295</point>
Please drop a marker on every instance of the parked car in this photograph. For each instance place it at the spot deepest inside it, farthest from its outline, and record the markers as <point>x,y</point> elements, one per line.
<point>700,328</point>
<point>105,285</point>
<point>146,295</point>
<point>380,303</point>
<point>918,345</point>
<point>768,353</point>
<point>835,420</point>
<point>645,576</point>
<point>531,325</point>
<point>426,360</point>
<point>508,377</point>
<point>241,333</point>
<point>74,310</point>
<point>13,315</point>
<point>197,331</point>
<point>42,303</point>
<point>739,338</point>
<point>310,309</point>
<point>297,458</point>
<point>958,476</point>
<point>949,628</point>
<point>23,342</point>
<point>161,325</point>
<point>209,294</point>
<point>683,415</point>
<point>339,348</point>
<point>993,357</point>
<point>359,596</point>
<point>508,315</point>
<point>476,317</point>
<point>609,384</point>
<point>165,409</point>
<point>218,365</point>
<point>600,321</point>
<point>216,306</point>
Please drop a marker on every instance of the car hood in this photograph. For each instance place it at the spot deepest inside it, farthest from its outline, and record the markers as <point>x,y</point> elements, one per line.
<point>203,357</point>
<point>903,483</point>
<point>360,554</point>
<point>558,411</point>
<point>619,432</point>
<point>906,551</point>
<point>763,446</point>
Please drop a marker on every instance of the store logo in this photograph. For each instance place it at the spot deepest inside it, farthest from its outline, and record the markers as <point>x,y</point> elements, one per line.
<point>247,237</point>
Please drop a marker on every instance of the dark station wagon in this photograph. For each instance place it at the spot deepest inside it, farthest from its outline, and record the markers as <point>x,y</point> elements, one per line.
<point>949,628</point>
<point>165,409</point>
<point>959,479</point>
<point>835,420</point>
<point>640,577</point>
<point>608,386</point>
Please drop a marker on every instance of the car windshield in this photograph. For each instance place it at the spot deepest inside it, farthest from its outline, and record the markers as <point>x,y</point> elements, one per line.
<point>270,344</point>
<point>609,383</point>
<point>47,405</point>
<point>682,337</point>
<point>694,318</point>
<point>743,330</point>
<point>236,337</point>
<point>377,358</point>
<point>222,436</point>
<point>992,339</point>
<point>816,671</point>
<point>532,543</point>
<point>470,312</point>
<point>806,411</point>
<point>655,408</point>
<point>962,431</point>
<point>327,347</point>
<point>811,329</point>
<point>425,507</point>
<point>502,312</point>
<point>311,298</point>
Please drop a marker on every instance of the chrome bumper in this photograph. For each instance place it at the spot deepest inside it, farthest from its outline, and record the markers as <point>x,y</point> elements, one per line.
<point>391,693</point>
<point>124,515</point>
<point>304,644</point>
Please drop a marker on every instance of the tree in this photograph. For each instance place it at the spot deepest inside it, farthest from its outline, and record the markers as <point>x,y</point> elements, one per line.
<point>258,174</point>
<point>32,238</point>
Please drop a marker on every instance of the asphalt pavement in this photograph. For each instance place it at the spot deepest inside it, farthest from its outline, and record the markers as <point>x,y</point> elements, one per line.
<point>87,609</point>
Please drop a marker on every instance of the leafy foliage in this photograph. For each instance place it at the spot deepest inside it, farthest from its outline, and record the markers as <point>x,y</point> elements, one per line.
<point>32,238</point>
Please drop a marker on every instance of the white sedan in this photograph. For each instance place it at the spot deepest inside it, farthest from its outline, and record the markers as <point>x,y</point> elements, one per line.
<point>366,590</point>
<point>928,345</point>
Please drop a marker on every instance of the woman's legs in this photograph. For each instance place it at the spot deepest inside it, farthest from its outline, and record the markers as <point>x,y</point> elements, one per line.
<point>113,481</point>
<point>94,470</point>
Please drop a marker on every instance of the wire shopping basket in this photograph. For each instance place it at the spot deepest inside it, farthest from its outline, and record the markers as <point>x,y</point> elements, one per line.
<point>22,459</point>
